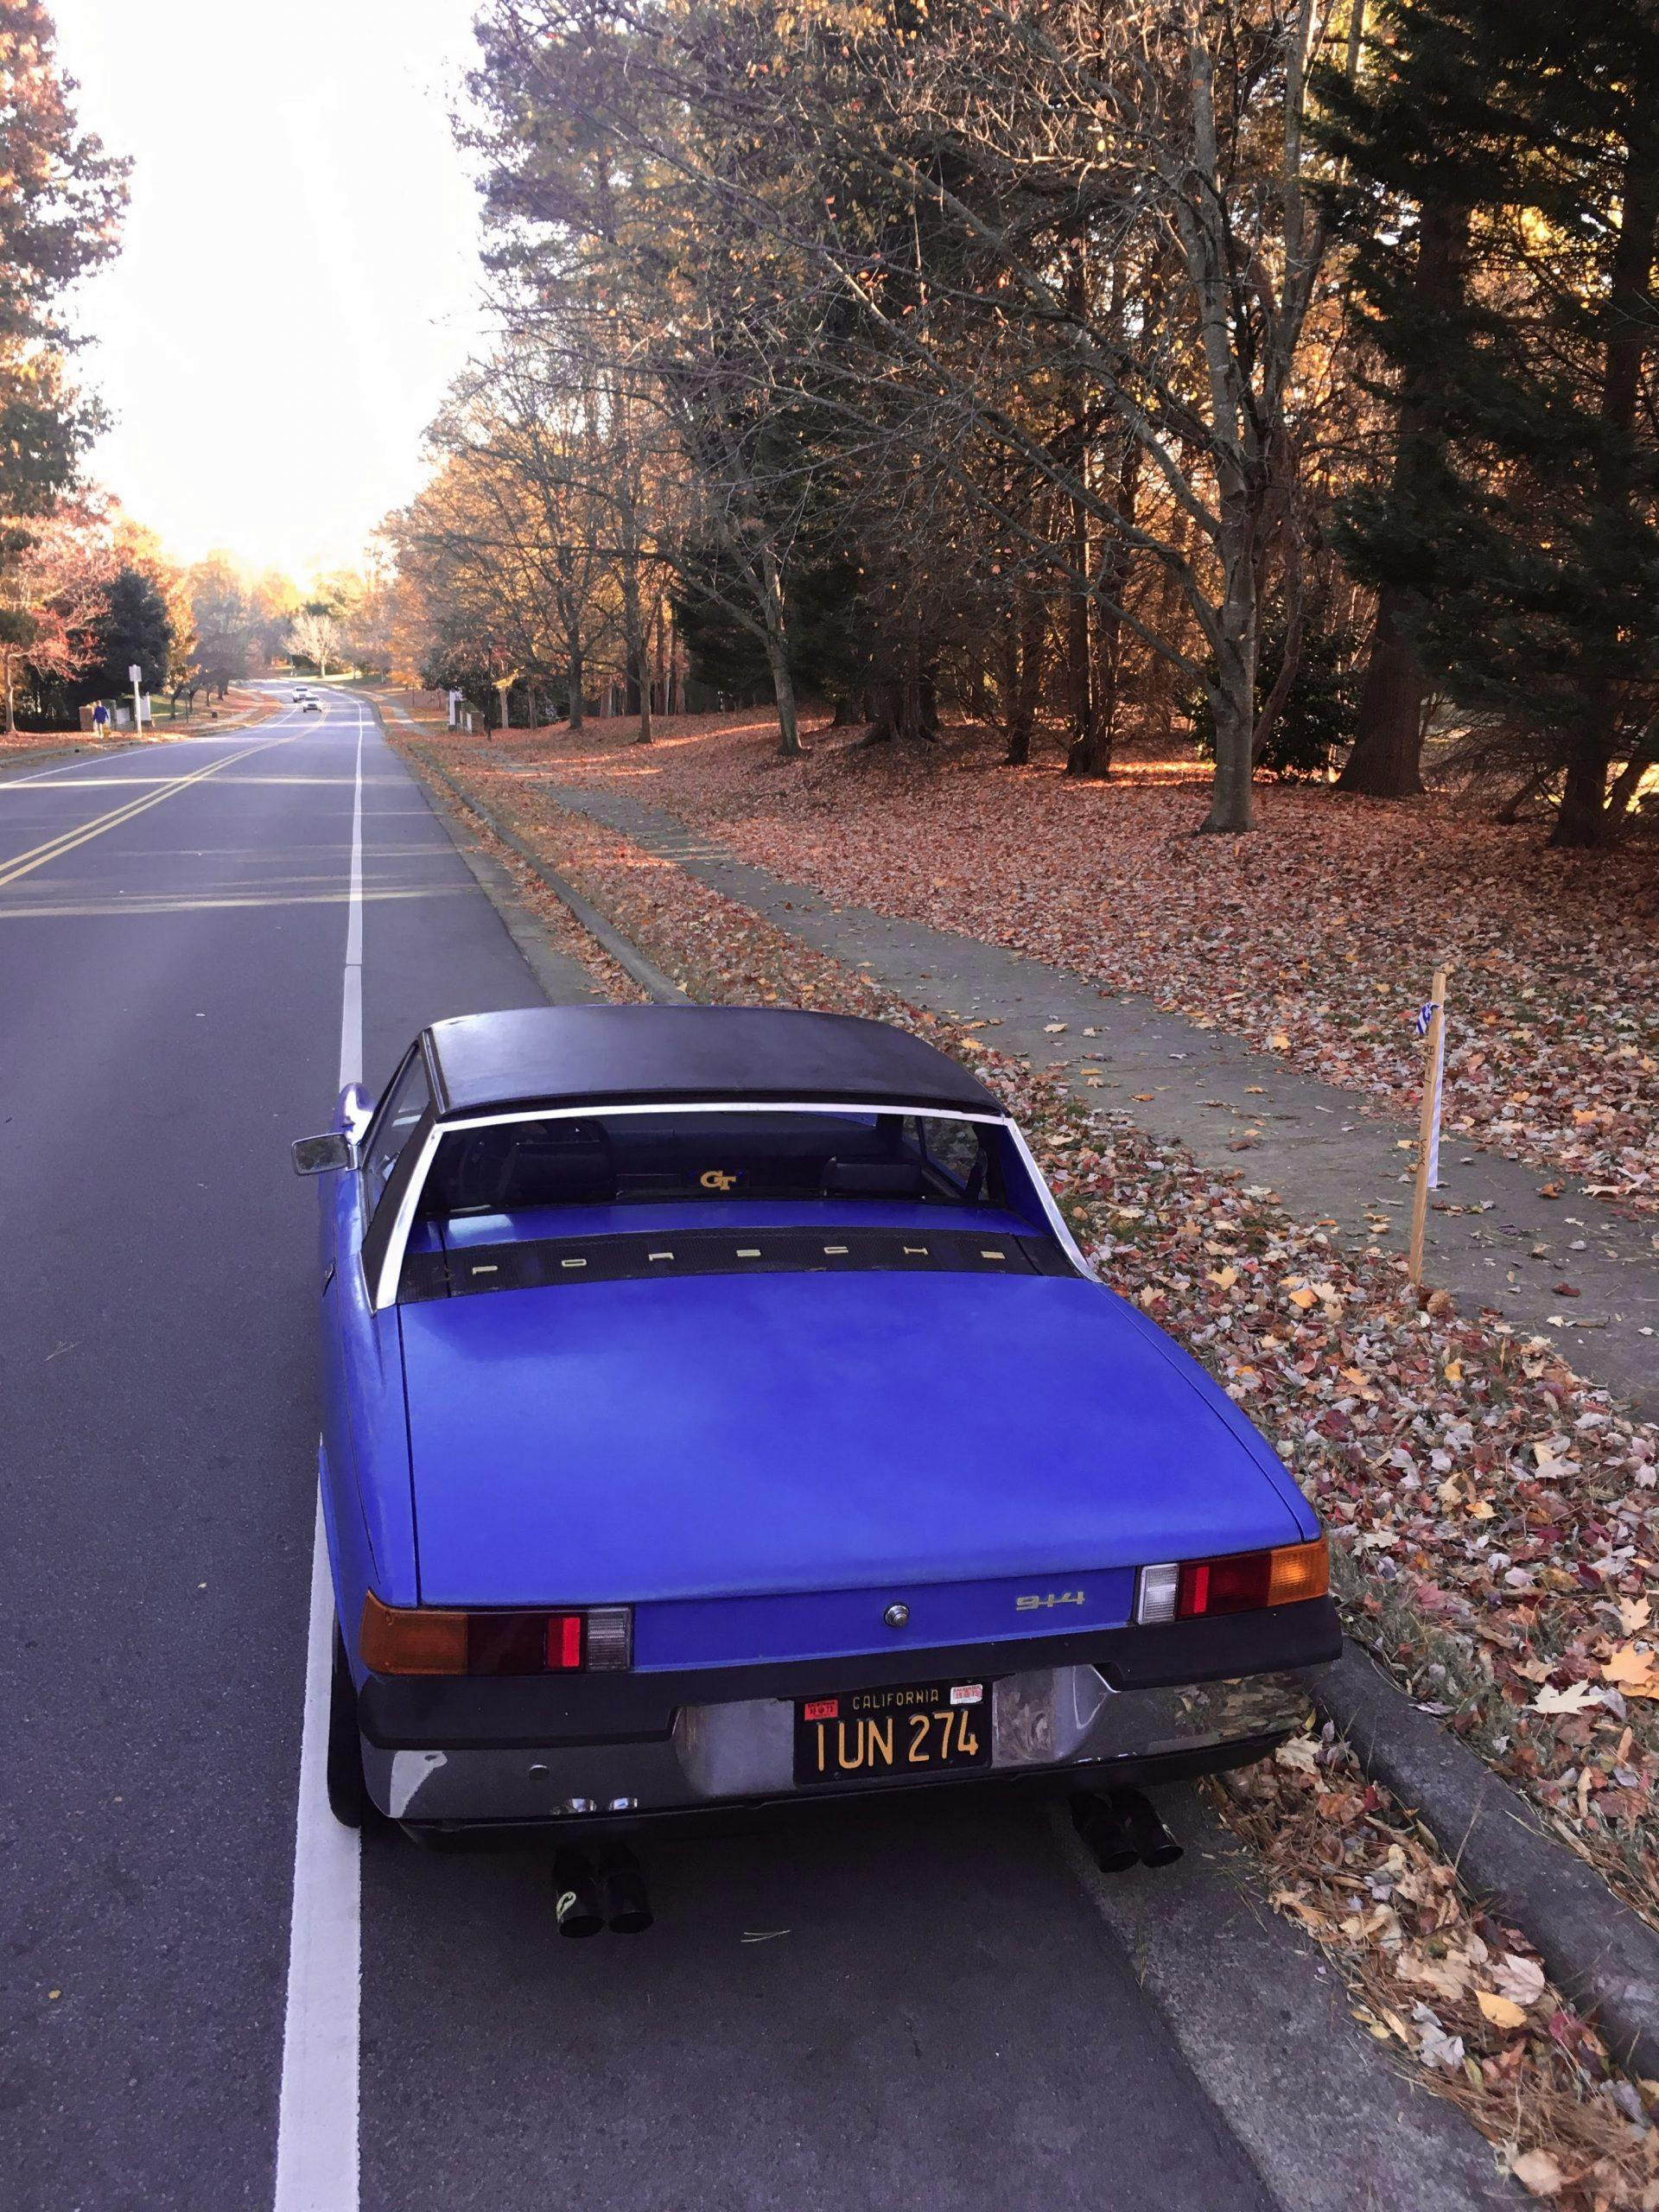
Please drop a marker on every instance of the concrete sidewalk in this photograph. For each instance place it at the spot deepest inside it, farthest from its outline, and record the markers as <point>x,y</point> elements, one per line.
<point>1493,1240</point>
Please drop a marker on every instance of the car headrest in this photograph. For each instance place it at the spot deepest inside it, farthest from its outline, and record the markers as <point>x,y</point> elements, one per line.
<point>542,1175</point>
<point>873,1178</point>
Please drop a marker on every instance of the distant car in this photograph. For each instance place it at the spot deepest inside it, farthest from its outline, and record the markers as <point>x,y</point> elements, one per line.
<point>310,708</point>
<point>718,1412</point>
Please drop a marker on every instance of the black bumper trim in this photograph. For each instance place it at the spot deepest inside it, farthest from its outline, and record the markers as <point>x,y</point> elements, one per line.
<point>508,1712</point>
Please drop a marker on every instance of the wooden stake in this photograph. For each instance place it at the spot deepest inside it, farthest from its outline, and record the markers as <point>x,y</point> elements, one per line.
<point>1428,1127</point>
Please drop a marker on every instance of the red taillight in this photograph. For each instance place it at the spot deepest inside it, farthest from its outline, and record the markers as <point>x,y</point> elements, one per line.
<point>506,1644</point>
<point>563,1643</point>
<point>1246,1581</point>
<point>429,1640</point>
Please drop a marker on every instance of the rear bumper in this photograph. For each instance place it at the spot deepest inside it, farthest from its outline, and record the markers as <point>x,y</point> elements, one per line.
<point>1064,1724</point>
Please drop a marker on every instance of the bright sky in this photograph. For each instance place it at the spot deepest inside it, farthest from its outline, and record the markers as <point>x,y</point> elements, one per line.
<point>299,281</point>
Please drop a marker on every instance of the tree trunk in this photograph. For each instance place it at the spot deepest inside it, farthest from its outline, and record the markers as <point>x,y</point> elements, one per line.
<point>575,676</point>
<point>1026,685</point>
<point>1509,813</point>
<point>1080,756</point>
<point>1231,796</point>
<point>1386,760</point>
<point>1090,752</point>
<point>1644,754</point>
<point>1009,687</point>
<point>1232,694</point>
<point>635,644</point>
<point>659,636</point>
<point>1584,818</point>
<point>783,681</point>
<point>782,688</point>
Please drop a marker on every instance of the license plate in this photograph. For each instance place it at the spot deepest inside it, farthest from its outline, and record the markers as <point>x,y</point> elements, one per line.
<point>917,1728</point>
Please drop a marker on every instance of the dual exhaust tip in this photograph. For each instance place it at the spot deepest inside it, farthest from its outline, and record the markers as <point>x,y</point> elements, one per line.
<point>590,1893</point>
<point>1121,1830</point>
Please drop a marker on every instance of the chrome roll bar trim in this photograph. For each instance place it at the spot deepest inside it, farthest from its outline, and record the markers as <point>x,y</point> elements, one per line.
<point>383,1291</point>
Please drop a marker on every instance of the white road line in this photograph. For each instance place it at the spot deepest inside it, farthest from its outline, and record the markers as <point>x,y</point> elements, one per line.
<point>317,2108</point>
<point>350,1010</point>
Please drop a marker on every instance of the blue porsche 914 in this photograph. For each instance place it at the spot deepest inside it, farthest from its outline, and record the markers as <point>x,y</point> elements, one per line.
<point>718,1412</point>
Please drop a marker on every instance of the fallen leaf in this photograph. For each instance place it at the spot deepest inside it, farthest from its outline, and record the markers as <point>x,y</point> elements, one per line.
<point>1538,2173</point>
<point>1574,1698</point>
<point>1502,2011</point>
<point>1633,1670</point>
<point>1519,1979</point>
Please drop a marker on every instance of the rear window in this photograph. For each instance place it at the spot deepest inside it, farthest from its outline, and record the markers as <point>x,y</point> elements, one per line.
<point>649,1159</point>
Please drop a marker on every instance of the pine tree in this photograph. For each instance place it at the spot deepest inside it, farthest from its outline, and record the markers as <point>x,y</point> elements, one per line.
<point>1506,167</point>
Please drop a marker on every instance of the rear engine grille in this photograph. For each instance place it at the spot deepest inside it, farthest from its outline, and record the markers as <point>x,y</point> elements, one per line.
<point>536,1265</point>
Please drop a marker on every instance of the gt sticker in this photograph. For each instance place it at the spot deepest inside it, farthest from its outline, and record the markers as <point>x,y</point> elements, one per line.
<point>1036,1604</point>
<point>716,1179</point>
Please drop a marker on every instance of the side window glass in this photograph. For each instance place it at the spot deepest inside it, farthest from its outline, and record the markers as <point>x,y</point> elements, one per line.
<point>956,1146</point>
<point>394,1123</point>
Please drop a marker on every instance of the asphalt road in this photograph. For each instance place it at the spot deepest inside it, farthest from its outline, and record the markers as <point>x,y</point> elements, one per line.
<point>907,2008</point>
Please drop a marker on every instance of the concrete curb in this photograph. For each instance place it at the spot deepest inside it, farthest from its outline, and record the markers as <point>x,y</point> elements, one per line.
<point>1604,1956</point>
<point>645,972</point>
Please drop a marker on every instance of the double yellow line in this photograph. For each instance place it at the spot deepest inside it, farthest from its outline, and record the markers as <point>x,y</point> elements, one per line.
<point>65,841</point>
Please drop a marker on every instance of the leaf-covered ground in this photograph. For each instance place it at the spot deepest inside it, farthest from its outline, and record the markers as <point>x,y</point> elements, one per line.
<point>1496,1525</point>
<point>239,710</point>
<point>1316,936</point>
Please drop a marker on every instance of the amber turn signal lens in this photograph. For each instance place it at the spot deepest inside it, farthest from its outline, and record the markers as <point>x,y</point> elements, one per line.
<point>1246,1582</point>
<point>412,1640</point>
<point>1299,1571</point>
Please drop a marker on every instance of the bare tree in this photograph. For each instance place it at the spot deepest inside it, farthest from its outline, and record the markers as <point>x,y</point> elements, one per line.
<point>313,634</point>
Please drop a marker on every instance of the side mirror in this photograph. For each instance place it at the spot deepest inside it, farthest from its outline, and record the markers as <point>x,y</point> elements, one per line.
<point>317,1155</point>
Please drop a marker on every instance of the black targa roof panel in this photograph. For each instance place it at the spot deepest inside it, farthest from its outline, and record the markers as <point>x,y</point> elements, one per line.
<point>578,1055</point>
